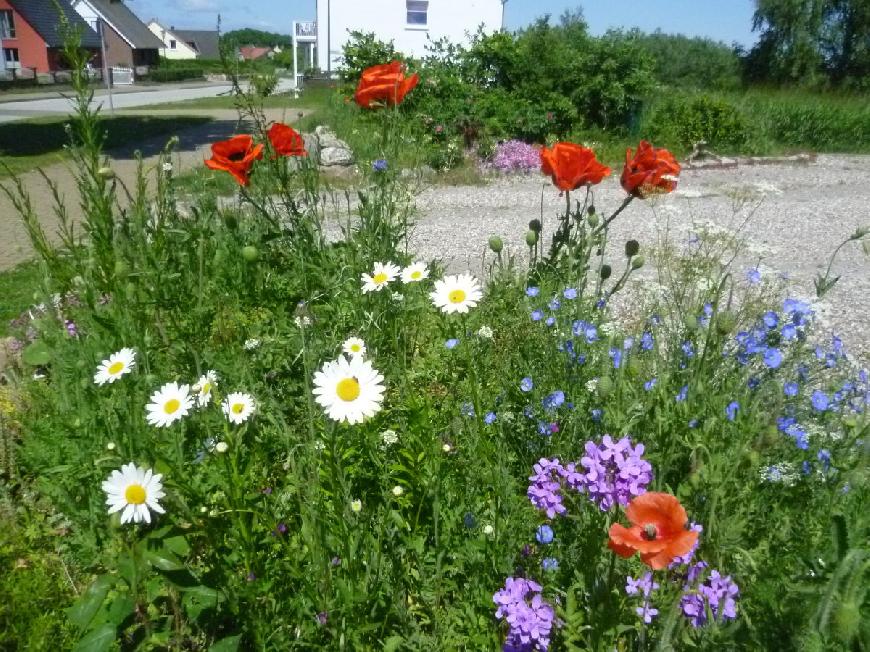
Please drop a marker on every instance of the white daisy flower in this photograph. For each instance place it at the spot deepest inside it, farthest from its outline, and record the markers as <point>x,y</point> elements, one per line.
<point>134,490</point>
<point>238,407</point>
<point>381,276</point>
<point>203,387</point>
<point>415,272</point>
<point>115,366</point>
<point>456,293</point>
<point>169,404</point>
<point>354,347</point>
<point>349,389</point>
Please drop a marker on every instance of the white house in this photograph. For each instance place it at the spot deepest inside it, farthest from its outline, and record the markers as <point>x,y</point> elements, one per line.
<point>174,46</point>
<point>408,23</point>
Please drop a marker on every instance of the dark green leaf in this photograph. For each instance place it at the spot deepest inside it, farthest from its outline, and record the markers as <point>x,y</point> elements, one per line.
<point>36,354</point>
<point>82,612</point>
<point>228,644</point>
<point>162,559</point>
<point>98,640</point>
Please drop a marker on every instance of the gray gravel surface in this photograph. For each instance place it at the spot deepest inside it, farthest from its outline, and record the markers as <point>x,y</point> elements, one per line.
<point>790,219</point>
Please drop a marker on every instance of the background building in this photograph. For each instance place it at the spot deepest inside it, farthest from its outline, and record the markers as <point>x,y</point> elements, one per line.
<point>186,43</point>
<point>129,42</point>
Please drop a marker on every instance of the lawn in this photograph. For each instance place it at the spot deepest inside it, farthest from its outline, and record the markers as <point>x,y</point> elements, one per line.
<point>28,144</point>
<point>17,287</point>
<point>314,97</point>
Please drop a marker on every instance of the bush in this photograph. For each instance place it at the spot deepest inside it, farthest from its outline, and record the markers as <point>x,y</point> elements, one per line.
<point>681,121</point>
<point>174,74</point>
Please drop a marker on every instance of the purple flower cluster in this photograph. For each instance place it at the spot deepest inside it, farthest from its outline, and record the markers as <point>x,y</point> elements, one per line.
<point>643,586</point>
<point>614,473</point>
<point>515,156</point>
<point>717,593</point>
<point>545,486</point>
<point>529,616</point>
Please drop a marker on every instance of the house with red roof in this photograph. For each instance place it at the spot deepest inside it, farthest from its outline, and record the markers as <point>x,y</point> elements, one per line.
<point>252,53</point>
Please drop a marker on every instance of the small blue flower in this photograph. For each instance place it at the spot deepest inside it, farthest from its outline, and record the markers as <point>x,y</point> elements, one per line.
<point>824,456</point>
<point>688,349</point>
<point>380,165</point>
<point>616,356</point>
<point>469,521</point>
<point>526,384</point>
<point>772,358</point>
<point>646,341</point>
<point>693,423</point>
<point>490,418</point>
<point>551,321</point>
<point>451,343</point>
<point>596,414</point>
<point>684,392</point>
<point>753,275</point>
<point>467,409</point>
<point>600,304</point>
<point>791,388</point>
<point>627,343</point>
<point>554,400</point>
<point>807,468</point>
<point>771,319</point>
<point>789,332</point>
<point>570,293</point>
<point>648,385</point>
<point>544,534</point>
<point>731,410</point>
<point>820,400</point>
<point>537,315</point>
<point>550,564</point>
<point>555,304</point>
<point>532,292</point>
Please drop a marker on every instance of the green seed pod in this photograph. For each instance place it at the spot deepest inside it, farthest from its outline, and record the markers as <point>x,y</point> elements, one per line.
<point>631,248</point>
<point>725,322</point>
<point>231,221</point>
<point>592,219</point>
<point>250,253</point>
<point>531,238</point>
<point>605,386</point>
<point>847,620</point>
<point>690,322</point>
<point>496,244</point>
<point>634,368</point>
<point>605,272</point>
<point>637,262</point>
<point>106,173</point>
<point>536,226</point>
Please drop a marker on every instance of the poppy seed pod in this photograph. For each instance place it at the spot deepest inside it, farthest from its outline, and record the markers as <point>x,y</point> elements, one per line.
<point>605,386</point>
<point>725,322</point>
<point>536,226</point>
<point>106,173</point>
<point>605,272</point>
<point>637,262</point>
<point>531,238</point>
<point>250,253</point>
<point>592,219</point>
<point>496,244</point>
<point>231,221</point>
<point>690,322</point>
<point>631,248</point>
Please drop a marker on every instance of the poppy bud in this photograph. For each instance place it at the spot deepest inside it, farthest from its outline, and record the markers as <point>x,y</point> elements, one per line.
<point>106,173</point>
<point>725,322</point>
<point>690,323</point>
<point>605,272</point>
<point>634,368</point>
<point>231,221</point>
<point>592,219</point>
<point>695,480</point>
<point>531,238</point>
<point>250,253</point>
<point>495,243</point>
<point>536,226</point>
<point>637,262</point>
<point>631,248</point>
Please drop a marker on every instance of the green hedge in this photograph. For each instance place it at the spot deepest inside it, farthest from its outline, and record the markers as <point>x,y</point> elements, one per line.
<point>174,74</point>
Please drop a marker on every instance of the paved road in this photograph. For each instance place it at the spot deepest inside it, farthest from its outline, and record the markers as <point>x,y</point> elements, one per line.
<point>22,109</point>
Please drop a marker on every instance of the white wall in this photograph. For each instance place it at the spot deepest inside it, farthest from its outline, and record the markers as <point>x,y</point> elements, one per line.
<point>387,19</point>
<point>182,50</point>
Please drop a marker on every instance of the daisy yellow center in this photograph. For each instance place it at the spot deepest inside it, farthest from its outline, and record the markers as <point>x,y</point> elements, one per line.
<point>355,348</point>
<point>116,367</point>
<point>171,406</point>
<point>348,389</point>
<point>379,278</point>
<point>456,296</point>
<point>238,408</point>
<point>135,494</point>
<point>416,274</point>
<point>206,388</point>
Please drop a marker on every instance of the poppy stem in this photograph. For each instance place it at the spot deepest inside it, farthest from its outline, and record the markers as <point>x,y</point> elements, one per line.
<point>616,213</point>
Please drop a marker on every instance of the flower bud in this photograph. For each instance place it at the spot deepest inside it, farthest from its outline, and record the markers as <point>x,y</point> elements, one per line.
<point>631,248</point>
<point>592,219</point>
<point>536,226</point>
<point>356,506</point>
<point>106,173</point>
<point>231,221</point>
<point>496,244</point>
<point>605,272</point>
<point>725,322</point>
<point>637,262</point>
<point>398,491</point>
<point>250,253</point>
<point>531,238</point>
<point>221,447</point>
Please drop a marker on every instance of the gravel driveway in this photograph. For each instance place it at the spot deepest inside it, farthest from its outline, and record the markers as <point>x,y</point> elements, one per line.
<point>801,213</point>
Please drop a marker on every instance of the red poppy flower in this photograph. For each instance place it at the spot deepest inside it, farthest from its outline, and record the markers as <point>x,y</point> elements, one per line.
<point>385,84</point>
<point>572,166</point>
<point>658,530</point>
<point>236,156</point>
<point>286,141</point>
<point>650,171</point>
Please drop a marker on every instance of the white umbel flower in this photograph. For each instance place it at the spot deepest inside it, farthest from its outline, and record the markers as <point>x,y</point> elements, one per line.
<point>415,272</point>
<point>354,347</point>
<point>456,293</point>
<point>238,407</point>
<point>381,276</point>
<point>169,404</point>
<point>134,490</point>
<point>349,389</point>
<point>115,366</point>
<point>203,387</point>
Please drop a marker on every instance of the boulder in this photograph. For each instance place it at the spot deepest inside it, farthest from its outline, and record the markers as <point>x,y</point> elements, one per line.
<point>330,156</point>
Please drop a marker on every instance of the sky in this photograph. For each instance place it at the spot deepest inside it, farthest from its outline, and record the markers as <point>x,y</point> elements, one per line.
<point>723,20</point>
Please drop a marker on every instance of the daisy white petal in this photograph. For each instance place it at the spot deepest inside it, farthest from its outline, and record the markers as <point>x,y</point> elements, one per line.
<point>349,389</point>
<point>203,387</point>
<point>382,275</point>
<point>354,346</point>
<point>115,366</point>
<point>169,404</point>
<point>135,491</point>
<point>415,272</point>
<point>238,407</point>
<point>456,293</point>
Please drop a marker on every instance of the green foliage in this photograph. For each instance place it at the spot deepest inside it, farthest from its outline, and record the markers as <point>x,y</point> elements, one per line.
<point>363,50</point>
<point>683,120</point>
<point>164,74</point>
<point>259,38</point>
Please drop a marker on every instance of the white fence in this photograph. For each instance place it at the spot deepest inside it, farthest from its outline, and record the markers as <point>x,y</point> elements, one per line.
<point>122,76</point>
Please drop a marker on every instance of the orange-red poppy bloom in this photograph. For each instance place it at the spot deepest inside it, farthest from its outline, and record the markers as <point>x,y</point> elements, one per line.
<point>236,156</point>
<point>572,166</point>
<point>286,141</point>
<point>658,530</point>
<point>384,84</point>
<point>650,171</point>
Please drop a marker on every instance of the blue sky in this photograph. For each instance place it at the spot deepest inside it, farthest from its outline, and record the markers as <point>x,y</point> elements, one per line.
<point>724,20</point>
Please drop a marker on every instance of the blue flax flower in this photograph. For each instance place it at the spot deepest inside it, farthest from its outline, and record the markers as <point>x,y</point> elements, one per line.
<point>554,400</point>
<point>753,275</point>
<point>451,343</point>
<point>532,292</point>
<point>550,563</point>
<point>490,418</point>
<point>791,388</point>
<point>526,384</point>
<point>537,315</point>
<point>771,319</point>
<point>820,400</point>
<point>648,385</point>
<point>380,165</point>
<point>544,534</point>
<point>772,358</point>
<point>684,392</point>
<point>646,341</point>
<point>731,410</point>
<point>570,293</point>
<point>616,356</point>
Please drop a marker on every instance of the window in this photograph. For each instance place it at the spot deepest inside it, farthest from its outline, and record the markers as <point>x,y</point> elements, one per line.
<point>418,11</point>
<point>11,55</point>
<point>172,44</point>
<point>7,24</point>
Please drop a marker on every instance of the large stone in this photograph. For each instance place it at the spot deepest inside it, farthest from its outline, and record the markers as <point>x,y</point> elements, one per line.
<point>330,156</point>
<point>327,138</point>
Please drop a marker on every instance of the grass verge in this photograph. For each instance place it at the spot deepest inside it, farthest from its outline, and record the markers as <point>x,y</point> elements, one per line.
<point>17,286</point>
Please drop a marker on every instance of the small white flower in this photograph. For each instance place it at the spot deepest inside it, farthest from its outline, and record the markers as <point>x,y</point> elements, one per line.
<point>135,491</point>
<point>381,276</point>
<point>319,445</point>
<point>389,437</point>
<point>356,506</point>
<point>485,332</point>
<point>221,447</point>
<point>302,321</point>
<point>354,347</point>
<point>203,387</point>
<point>251,344</point>
<point>447,448</point>
<point>591,385</point>
<point>238,407</point>
<point>167,166</point>
<point>349,389</point>
<point>169,404</point>
<point>607,328</point>
<point>110,446</point>
<point>415,272</point>
<point>203,509</point>
<point>398,491</point>
<point>456,293</point>
<point>398,296</point>
<point>488,530</point>
<point>115,366</point>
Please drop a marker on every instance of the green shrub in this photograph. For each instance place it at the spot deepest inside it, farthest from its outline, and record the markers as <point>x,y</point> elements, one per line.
<point>682,120</point>
<point>174,74</point>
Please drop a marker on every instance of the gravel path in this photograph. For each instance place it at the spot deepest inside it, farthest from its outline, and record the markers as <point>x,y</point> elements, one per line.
<point>801,213</point>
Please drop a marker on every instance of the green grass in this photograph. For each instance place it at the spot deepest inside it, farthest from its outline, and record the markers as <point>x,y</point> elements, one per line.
<point>28,144</point>
<point>314,98</point>
<point>17,286</point>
